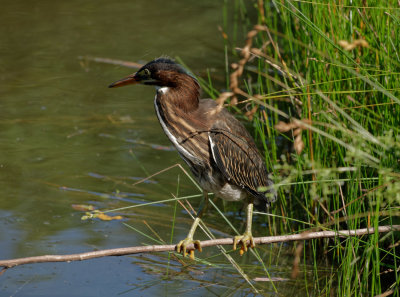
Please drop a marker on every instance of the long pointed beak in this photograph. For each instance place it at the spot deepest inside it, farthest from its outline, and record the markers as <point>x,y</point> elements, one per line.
<point>129,80</point>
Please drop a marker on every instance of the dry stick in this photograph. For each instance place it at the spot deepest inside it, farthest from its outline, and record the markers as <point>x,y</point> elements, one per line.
<point>206,243</point>
<point>111,61</point>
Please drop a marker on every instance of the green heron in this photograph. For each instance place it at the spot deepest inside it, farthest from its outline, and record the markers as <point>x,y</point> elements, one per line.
<point>217,148</point>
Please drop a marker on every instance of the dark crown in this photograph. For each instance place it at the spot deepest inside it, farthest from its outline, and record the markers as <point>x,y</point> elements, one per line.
<point>165,64</point>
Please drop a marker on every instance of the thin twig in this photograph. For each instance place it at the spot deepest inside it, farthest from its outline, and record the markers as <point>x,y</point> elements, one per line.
<point>169,248</point>
<point>128,64</point>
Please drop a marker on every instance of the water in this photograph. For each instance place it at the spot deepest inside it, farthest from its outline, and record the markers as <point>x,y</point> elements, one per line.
<point>66,139</point>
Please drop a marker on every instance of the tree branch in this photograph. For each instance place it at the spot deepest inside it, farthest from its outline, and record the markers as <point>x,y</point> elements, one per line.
<point>206,243</point>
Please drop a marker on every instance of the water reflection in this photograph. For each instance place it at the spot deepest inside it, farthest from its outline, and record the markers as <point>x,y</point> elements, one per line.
<point>66,139</point>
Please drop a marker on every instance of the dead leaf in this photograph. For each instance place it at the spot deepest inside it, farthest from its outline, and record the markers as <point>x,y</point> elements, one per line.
<point>297,132</point>
<point>102,216</point>
<point>83,207</point>
<point>251,112</point>
<point>298,143</point>
<point>347,46</point>
<point>285,127</point>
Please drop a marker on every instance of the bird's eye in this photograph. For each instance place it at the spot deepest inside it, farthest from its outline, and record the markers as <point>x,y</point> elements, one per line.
<point>145,73</point>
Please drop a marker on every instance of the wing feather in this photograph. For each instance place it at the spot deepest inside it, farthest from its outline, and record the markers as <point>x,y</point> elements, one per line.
<point>240,163</point>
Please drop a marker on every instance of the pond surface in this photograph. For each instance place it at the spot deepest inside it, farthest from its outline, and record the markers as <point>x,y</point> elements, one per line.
<point>66,139</point>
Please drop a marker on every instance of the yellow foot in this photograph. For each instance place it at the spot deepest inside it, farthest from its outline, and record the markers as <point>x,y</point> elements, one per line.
<point>242,240</point>
<point>182,246</point>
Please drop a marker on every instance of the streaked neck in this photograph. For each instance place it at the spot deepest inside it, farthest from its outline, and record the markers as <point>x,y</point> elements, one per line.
<point>183,94</point>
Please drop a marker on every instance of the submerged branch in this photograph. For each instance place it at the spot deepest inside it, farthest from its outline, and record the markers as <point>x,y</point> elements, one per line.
<point>111,61</point>
<point>206,243</point>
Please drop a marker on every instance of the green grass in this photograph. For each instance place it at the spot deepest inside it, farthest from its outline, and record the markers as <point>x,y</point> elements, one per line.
<point>346,105</point>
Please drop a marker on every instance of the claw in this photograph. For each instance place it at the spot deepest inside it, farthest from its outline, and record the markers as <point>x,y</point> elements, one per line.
<point>181,247</point>
<point>242,240</point>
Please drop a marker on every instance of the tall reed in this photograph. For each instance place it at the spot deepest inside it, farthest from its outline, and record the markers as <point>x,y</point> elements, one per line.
<point>322,85</point>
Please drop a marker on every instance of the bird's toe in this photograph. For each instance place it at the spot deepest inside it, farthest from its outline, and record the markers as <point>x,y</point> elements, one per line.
<point>182,247</point>
<point>246,240</point>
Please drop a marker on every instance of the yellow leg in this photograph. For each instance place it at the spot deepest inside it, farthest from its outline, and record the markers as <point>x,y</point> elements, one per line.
<point>203,205</point>
<point>247,235</point>
<point>182,245</point>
